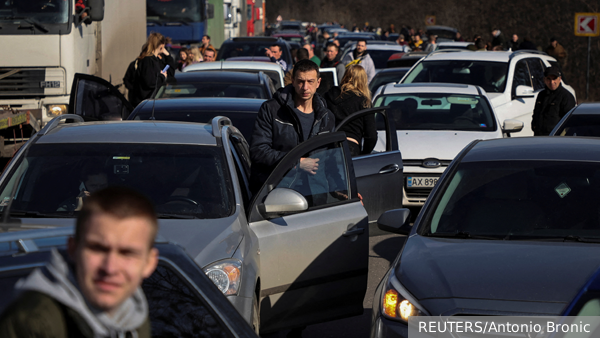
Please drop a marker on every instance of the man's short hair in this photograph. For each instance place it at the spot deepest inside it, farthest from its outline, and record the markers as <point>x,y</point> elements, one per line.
<point>302,54</point>
<point>278,46</point>
<point>210,49</point>
<point>361,40</point>
<point>120,203</point>
<point>304,66</point>
<point>331,44</point>
<point>207,36</point>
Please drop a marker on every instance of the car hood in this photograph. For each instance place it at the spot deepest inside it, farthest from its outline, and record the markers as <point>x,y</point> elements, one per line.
<point>497,99</point>
<point>205,240</point>
<point>496,270</point>
<point>421,144</point>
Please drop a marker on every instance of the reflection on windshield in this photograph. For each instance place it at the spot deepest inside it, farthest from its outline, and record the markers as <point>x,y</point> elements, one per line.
<point>212,90</point>
<point>181,180</point>
<point>491,76</point>
<point>581,125</point>
<point>42,11</point>
<point>174,10</point>
<point>521,200</point>
<point>420,111</point>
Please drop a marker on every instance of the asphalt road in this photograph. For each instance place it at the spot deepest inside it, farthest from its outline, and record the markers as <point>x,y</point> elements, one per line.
<point>383,249</point>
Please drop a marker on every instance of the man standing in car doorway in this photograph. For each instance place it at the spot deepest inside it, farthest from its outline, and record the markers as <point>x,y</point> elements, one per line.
<point>551,104</point>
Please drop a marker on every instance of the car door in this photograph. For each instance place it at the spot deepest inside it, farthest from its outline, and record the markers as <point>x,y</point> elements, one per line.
<point>521,107</point>
<point>314,261</point>
<point>379,175</point>
<point>95,99</point>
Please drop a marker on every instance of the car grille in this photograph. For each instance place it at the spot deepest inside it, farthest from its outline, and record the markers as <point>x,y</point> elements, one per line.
<point>21,82</point>
<point>418,193</point>
<point>419,163</point>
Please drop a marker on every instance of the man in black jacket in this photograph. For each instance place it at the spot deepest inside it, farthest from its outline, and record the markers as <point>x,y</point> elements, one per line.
<point>295,114</point>
<point>332,59</point>
<point>551,104</point>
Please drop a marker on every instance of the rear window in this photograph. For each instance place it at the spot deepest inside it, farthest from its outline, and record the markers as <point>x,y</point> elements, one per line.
<point>182,181</point>
<point>580,125</point>
<point>491,76</point>
<point>238,48</point>
<point>435,111</point>
<point>207,89</point>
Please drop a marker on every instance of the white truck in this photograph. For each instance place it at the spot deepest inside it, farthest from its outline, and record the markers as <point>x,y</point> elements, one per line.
<point>233,18</point>
<point>46,42</point>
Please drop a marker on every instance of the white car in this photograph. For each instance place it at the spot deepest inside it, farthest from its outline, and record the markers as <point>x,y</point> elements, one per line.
<point>512,80</point>
<point>434,122</point>
<point>273,70</point>
<point>453,45</point>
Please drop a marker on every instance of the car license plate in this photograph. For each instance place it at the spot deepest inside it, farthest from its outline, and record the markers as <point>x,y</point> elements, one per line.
<point>421,182</point>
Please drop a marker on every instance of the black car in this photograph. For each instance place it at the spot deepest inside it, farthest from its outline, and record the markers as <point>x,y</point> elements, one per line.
<point>242,112</point>
<point>254,46</point>
<point>221,84</point>
<point>583,120</point>
<point>182,301</point>
<point>386,76</point>
<point>512,228</point>
<point>290,25</point>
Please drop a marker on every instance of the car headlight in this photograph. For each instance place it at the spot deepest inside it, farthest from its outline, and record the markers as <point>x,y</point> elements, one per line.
<point>53,110</point>
<point>398,303</point>
<point>226,274</point>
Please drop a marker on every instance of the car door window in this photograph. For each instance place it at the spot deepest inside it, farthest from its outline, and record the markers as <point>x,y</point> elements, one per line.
<point>536,70</point>
<point>521,76</point>
<point>327,184</point>
<point>95,99</point>
<point>241,174</point>
<point>176,309</point>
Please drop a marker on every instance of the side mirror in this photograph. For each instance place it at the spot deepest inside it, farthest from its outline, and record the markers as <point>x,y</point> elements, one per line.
<point>283,201</point>
<point>512,126</point>
<point>96,9</point>
<point>524,91</point>
<point>396,221</point>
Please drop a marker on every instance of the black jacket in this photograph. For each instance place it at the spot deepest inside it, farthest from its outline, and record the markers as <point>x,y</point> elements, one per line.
<point>277,130</point>
<point>147,78</point>
<point>550,107</point>
<point>359,129</point>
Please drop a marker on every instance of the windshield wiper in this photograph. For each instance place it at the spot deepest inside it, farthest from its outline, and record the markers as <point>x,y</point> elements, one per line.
<point>568,238</point>
<point>176,216</point>
<point>37,214</point>
<point>30,21</point>
<point>461,234</point>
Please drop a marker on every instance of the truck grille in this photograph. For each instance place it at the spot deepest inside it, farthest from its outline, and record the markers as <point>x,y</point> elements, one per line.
<point>21,82</point>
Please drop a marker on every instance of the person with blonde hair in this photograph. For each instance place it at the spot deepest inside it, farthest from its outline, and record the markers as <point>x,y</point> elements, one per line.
<point>148,74</point>
<point>196,55</point>
<point>354,95</point>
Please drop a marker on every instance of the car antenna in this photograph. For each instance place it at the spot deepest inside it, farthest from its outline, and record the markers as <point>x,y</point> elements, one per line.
<point>152,116</point>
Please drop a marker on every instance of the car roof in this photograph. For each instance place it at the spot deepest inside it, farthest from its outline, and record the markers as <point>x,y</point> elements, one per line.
<point>465,54</point>
<point>454,88</point>
<point>200,104</point>
<point>230,65</point>
<point>221,77</point>
<point>447,28</point>
<point>592,108</point>
<point>381,46</point>
<point>163,132</point>
<point>393,70</point>
<point>288,33</point>
<point>550,148</point>
<point>455,43</point>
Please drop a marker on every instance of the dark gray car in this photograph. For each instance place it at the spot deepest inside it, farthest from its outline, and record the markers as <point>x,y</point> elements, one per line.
<point>511,229</point>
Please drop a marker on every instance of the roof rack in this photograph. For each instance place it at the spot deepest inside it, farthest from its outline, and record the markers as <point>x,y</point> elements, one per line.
<point>55,121</point>
<point>218,122</point>
<point>25,239</point>
<point>527,51</point>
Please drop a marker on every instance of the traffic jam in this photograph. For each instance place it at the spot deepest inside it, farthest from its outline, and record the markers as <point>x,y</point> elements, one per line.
<point>291,180</point>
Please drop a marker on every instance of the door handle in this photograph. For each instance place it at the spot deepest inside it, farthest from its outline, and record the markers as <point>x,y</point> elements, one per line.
<point>353,232</point>
<point>389,169</point>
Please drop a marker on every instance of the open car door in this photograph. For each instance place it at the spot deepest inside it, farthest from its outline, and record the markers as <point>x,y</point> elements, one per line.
<point>379,175</point>
<point>95,99</point>
<point>313,237</point>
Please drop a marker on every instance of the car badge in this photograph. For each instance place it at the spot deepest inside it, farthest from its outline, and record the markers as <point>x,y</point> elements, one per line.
<point>562,190</point>
<point>431,163</point>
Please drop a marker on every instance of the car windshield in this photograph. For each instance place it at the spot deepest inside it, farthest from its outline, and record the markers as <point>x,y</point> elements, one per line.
<point>244,121</point>
<point>174,10</point>
<point>207,89</point>
<point>519,200</point>
<point>491,76</point>
<point>580,125</point>
<point>183,181</point>
<point>234,49</point>
<point>438,111</point>
<point>384,78</point>
<point>42,11</point>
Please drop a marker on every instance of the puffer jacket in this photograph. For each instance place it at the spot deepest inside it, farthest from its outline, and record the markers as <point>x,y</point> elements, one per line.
<point>277,130</point>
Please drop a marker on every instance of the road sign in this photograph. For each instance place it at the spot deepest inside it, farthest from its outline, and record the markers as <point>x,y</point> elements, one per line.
<point>586,24</point>
<point>430,20</point>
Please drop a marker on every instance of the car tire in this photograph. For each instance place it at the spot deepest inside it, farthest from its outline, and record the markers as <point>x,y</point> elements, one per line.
<point>255,316</point>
